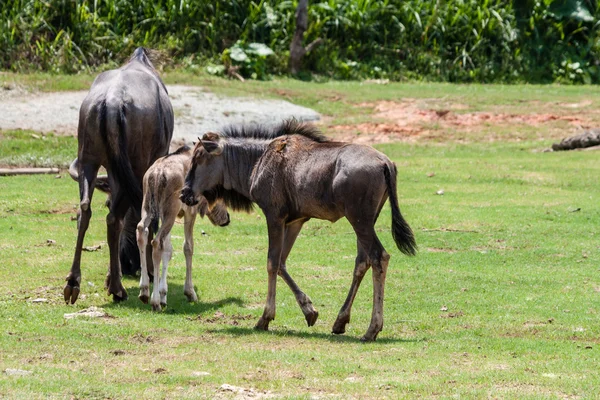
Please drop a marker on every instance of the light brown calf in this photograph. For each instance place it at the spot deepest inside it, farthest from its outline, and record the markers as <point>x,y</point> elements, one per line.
<point>162,185</point>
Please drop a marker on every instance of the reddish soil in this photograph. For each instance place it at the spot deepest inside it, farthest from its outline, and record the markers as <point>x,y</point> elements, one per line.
<point>411,119</point>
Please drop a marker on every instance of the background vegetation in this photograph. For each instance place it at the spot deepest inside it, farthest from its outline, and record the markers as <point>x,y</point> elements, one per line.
<point>447,40</point>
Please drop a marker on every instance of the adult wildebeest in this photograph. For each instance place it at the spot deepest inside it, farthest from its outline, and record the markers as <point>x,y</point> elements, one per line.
<point>125,124</point>
<point>294,173</point>
<point>162,186</point>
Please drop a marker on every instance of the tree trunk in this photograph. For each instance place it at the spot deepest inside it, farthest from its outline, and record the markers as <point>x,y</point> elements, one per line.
<point>297,50</point>
<point>586,139</point>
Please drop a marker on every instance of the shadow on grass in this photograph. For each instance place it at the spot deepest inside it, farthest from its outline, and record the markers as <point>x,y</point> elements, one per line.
<point>243,331</point>
<point>177,303</point>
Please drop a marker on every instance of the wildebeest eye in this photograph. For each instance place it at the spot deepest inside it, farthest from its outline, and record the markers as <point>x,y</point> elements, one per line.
<point>212,147</point>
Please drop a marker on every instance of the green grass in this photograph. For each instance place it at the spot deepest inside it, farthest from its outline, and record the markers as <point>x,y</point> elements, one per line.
<point>502,300</point>
<point>28,148</point>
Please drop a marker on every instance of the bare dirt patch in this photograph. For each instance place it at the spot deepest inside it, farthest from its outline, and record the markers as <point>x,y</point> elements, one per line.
<point>412,119</point>
<point>196,111</point>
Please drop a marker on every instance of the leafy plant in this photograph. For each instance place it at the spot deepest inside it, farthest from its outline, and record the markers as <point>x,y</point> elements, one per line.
<point>449,40</point>
<point>250,59</point>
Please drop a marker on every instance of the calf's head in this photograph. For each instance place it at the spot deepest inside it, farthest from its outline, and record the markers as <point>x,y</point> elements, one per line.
<point>206,172</point>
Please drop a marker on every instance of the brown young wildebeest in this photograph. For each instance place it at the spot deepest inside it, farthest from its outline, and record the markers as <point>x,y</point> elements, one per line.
<point>162,186</point>
<point>125,124</point>
<point>294,173</point>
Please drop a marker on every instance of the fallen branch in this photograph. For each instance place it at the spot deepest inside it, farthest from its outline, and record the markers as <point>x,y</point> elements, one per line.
<point>587,139</point>
<point>27,171</point>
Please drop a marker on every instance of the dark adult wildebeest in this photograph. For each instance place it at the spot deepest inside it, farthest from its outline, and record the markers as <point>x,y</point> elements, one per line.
<point>294,173</point>
<point>162,186</point>
<point>125,124</point>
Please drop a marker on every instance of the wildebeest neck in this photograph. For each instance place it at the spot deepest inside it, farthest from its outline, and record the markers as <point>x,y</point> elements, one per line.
<point>241,155</point>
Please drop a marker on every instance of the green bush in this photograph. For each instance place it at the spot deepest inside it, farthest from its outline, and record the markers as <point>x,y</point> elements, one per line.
<point>445,40</point>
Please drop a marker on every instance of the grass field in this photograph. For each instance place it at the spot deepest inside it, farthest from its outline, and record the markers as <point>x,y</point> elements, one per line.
<point>502,301</point>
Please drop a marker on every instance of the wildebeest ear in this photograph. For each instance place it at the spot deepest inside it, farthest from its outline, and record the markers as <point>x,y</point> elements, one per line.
<point>211,147</point>
<point>211,136</point>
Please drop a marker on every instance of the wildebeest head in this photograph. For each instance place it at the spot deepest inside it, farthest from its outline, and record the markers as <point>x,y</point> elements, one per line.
<point>206,172</point>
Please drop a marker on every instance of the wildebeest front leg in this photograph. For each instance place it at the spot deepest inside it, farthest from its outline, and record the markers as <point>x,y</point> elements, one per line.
<point>360,268</point>
<point>276,233</point>
<point>309,311</point>
<point>188,251</point>
<point>87,180</point>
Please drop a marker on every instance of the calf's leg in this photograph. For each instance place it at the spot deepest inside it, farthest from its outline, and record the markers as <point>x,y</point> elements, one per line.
<point>380,267</point>
<point>166,257</point>
<point>361,266</point>
<point>161,251</point>
<point>142,241</point>
<point>276,234</point>
<point>188,250</point>
<point>309,311</point>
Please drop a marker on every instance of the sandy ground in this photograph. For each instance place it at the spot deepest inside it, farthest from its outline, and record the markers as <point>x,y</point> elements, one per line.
<point>196,111</point>
<point>419,119</point>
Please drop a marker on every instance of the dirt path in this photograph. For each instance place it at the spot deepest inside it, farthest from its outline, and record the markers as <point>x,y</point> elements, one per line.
<point>196,111</point>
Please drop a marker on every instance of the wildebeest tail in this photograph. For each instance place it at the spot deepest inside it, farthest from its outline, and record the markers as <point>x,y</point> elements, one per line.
<point>114,131</point>
<point>401,232</point>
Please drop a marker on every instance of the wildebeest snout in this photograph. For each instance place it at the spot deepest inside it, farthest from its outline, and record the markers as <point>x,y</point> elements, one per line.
<point>226,222</point>
<point>187,197</point>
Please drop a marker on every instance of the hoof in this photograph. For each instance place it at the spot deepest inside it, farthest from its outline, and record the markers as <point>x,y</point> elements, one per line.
<point>118,299</point>
<point>163,304</point>
<point>262,325</point>
<point>120,296</point>
<point>144,298</point>
<point>71,293</point>
<point>311,318</point>
<point>339,327</point>
<point>192,298</point>
<point>156,307</point>
<point>368,338</point>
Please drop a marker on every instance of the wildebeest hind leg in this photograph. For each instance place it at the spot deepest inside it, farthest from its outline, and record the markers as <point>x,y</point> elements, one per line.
<point>114,226</point>
<point>87,180</point>
<point>309,311</point>
<point>379,263</point>
<point>361,266</point>
<point>161,251</point>
<point>142,234</point>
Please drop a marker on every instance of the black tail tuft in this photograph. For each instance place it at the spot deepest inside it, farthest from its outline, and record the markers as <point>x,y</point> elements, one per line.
<point>401,232</point>
<point>115,137</point>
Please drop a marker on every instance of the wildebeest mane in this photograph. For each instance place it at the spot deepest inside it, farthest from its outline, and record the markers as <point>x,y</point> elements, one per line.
<point>288,127</point>
<point>143,55</point>
<point>231,198</point>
